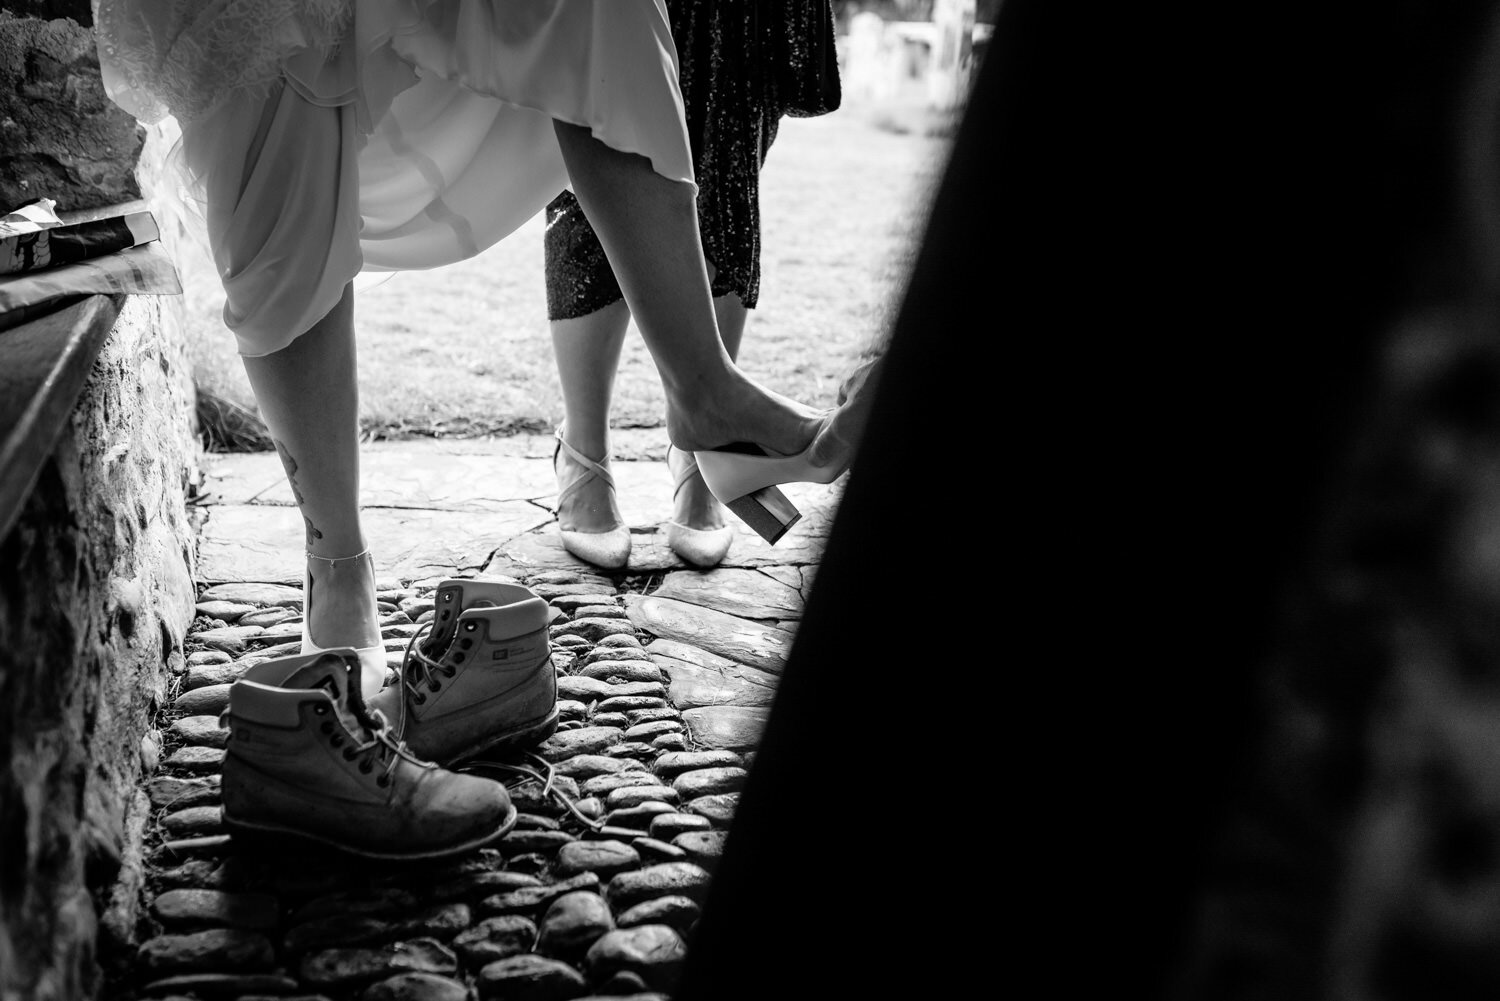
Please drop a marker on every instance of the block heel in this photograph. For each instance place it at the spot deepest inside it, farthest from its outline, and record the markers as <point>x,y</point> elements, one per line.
<point>744,478</point>
<point>767,511</point>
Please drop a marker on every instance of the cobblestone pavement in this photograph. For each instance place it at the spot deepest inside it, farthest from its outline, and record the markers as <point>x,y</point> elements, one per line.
<point>665,678</point>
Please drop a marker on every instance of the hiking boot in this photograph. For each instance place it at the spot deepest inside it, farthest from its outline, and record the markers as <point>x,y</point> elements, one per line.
<point>482,680</point>
<point>306,758</point>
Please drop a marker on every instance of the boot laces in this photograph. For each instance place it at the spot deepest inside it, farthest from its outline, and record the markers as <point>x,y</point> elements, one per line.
<point>417,666</point>
<point>383,748</point>
<point>543,773</point>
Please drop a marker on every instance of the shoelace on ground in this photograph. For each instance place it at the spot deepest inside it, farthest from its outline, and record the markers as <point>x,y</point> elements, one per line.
<point>545,776</point>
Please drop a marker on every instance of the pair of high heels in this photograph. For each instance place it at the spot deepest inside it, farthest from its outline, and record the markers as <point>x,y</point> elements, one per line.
<point>610,549</point>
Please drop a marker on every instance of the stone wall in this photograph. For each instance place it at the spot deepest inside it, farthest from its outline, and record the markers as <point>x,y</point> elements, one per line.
<point>95,600</point>
<point>96,588</point>
<point>60,137</point>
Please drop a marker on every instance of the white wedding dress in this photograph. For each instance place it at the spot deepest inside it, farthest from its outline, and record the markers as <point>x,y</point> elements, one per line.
<point>322,138</point>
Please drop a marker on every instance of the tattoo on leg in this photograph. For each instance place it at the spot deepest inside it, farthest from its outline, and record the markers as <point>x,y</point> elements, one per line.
<point>290,465</point>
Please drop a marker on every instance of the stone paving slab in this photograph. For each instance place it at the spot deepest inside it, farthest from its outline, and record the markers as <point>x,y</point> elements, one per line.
<point>247,542</point>
<point>741,640</point>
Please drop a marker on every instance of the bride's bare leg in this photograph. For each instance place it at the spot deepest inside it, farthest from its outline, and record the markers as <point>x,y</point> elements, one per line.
<point>309,398</point>
<point>648,226</point>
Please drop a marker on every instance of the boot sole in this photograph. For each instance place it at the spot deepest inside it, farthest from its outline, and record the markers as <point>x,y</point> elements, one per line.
<point>271,833</point>
<point>515,739</point>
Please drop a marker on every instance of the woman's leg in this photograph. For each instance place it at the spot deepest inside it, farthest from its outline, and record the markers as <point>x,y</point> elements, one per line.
<point>694,506</point>
<point>587,349</point>
<point>648,226</point>
<point>309,398</point>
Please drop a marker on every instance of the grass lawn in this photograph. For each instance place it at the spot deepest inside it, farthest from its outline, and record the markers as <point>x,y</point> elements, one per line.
<point>464,350</point>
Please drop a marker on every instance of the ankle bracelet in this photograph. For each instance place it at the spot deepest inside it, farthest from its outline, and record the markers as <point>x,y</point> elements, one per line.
<point>336,560</point>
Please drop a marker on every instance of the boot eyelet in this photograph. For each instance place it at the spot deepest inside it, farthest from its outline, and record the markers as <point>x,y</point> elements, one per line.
<point>419,699</point>
<point>449,671</point>
<point>321,710</point>
<point>458,658</point>
<point>366,767</point>
<point>466,643</point>
<point>337,741</point>
<point>383,781</point>
<point>437,685</point>
<point>469,627</point>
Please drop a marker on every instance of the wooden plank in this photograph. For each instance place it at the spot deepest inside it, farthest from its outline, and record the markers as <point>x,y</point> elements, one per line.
<point>44,364</point>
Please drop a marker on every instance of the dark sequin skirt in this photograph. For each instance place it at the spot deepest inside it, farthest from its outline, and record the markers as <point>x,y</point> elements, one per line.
<point>733,110</point>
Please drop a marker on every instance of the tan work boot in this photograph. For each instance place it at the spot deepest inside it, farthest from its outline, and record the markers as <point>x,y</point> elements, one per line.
<point>306,758</point>
<point>482,680</point>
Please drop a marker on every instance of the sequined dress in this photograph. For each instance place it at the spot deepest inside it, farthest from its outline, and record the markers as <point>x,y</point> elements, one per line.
<point>734,105</point>
<point>321,138</point>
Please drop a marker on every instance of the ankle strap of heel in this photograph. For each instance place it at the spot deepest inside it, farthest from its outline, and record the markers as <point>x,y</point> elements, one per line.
<point>334,561</point>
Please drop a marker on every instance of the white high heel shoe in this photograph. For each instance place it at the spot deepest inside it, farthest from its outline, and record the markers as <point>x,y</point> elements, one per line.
<point>372,662</point>
<point>701,547</point>
<point>609,549</point>
<point>744,478</point>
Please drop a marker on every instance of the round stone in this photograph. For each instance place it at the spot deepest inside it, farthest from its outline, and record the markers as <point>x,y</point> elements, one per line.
<point>609,719</point>
<point>188,907</point>
<point>341,968</point>
<point>416,987</point>
<point>669,742</point>
<point>525,840</point>
<point>674,910</point>
<point>638,817</point>
<point>630,703</point>
<point>603,785</point>
<point>214,950</point>
<point>658,851</point>
<point>603,858</point>
<point>687,879</point>
<point>710,781</point>
<point>718,808</point>
<point>619,671</point>
<point>703,847</point>
<point>194,821</point>
<point>204,731</point>
<point>638,716</point>
<point>667,826</point>
<point>620,641</point>
<point>602,653</point>
<point>653,952</point>
<point>495,939</point>
<point>636,795</point>
<point>589,740</point>
<point>199,760</point>
<point>530,978</point>
<point>650,731</point>
<point>586,766</point>
<point>572,923</point>
<point>676,762</point>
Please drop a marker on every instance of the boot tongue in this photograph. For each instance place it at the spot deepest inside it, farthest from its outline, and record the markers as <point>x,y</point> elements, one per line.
<point>331,674</point>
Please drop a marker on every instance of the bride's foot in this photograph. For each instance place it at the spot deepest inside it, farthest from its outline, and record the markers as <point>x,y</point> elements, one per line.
<point>338,610</point>
<point>743,413</point>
